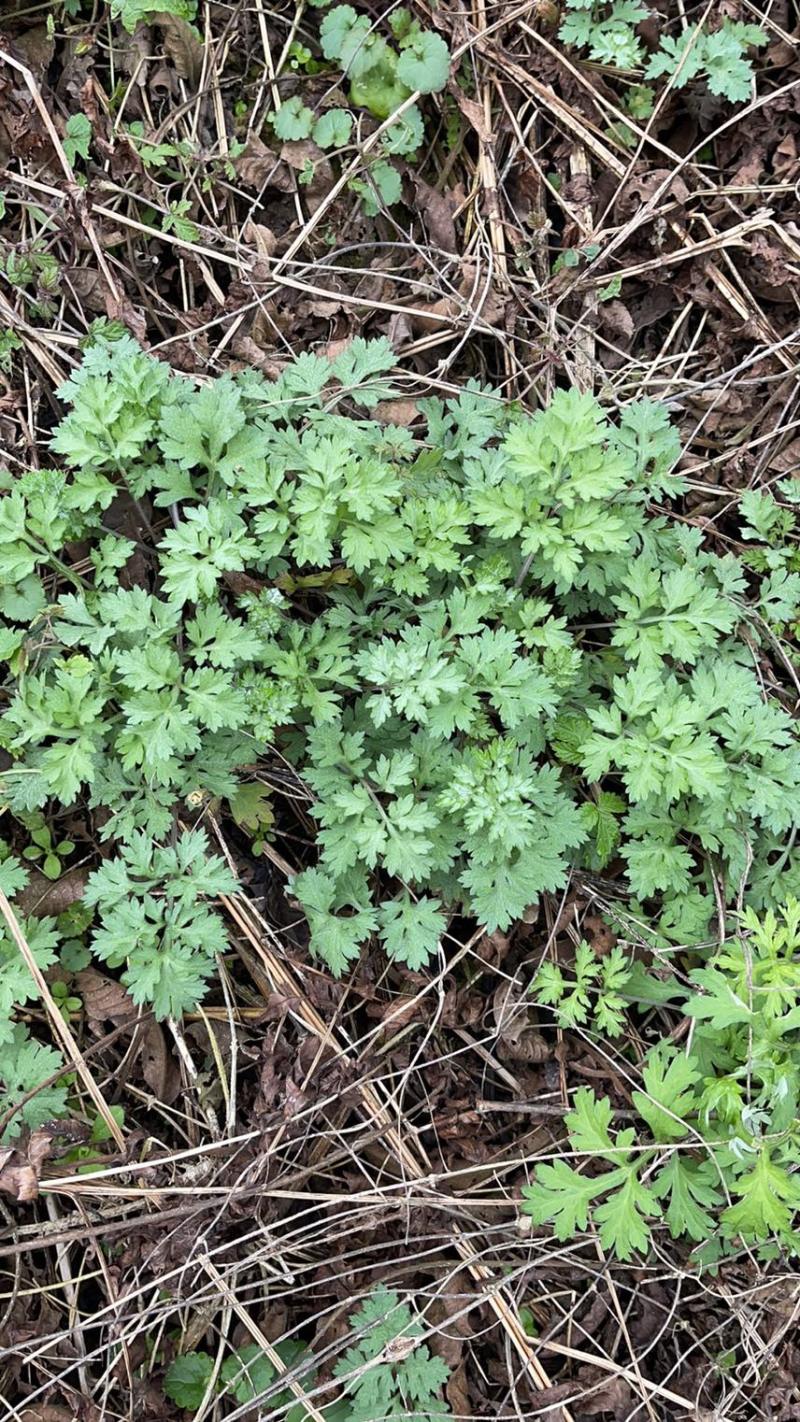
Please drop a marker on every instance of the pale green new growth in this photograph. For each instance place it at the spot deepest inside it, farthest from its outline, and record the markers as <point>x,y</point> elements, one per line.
<point>387,1372</point>
<point>719,58</point>
<point>720,1120</point>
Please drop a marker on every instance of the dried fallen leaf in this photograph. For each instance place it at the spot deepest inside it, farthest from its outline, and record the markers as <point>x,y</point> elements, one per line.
<point>519,1040</point>
<point>437,213</point>
<point>159,1067</point>
<point>260,167</point>
<point>43,897</point>
<point>21,1166</point>
<point>473,113</point>
<point>261,237</point>
<point>35,47</point>
<point>181,44</point>
<point>396,412</point>
<point>104,999</point>
<point>17,1178</point>
<point>305,158</point>
<point>787,461</point>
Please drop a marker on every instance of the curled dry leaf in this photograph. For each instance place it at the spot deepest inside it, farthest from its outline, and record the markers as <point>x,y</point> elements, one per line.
<point>457,1391</point>
<point>617,319</point>
<point>259,166</point>
<point>473,113</point>
<point>42,897</point>
<point>159,1067</point>
<point>519,1039</point>
<point>437,213</point>
<point>255,234</point>
<point>21,1165</point>
<point>396,412</point>
<point>35,47</point>
<point>17,1178</point>
<point>181,44</point>
<point>104,999</point>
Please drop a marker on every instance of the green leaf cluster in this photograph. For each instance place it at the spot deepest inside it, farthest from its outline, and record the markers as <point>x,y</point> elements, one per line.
<point>153,919</point>
<point>593,990</point>
<point>249,1375</point>
<point>483,654</point>
<point>387,1372</point>
<point>382,75</point>
<point>718,58</point>
<point>714,1155</point>
<point>132,13</point>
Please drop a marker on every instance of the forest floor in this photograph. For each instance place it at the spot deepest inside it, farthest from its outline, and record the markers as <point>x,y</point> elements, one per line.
<point>302,1140</point>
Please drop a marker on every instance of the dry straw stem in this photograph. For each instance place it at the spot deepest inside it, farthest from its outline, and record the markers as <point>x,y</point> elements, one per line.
<point>57,1023</point>
<point>75,191</point>
<point>412,1158</point>
<point>261,1339</point>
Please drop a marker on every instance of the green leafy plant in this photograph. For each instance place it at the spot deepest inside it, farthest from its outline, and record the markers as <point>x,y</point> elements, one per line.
<point>154,922</point>
<point>136,12</point>
<point>248,1374</point>
<point>156,156</point>
<point>481,653</point>
<point>594,991</point>
<point>32,265</point>
<point>387,1372</point>
<point>176,220</point>
<point>606,30</point>
<point>43,850</point>
<point>716,1143</point>
<point>25,1100</point>
<point>77,137</point>
<point>718,58</point>
<point>382,76</point>
<point>9,343</point>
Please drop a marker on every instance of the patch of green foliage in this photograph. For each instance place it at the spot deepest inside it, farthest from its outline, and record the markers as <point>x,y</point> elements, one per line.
<point>714,1156</point>
<point>136,12</point>
<point>718,58</point>
<point>382,76</point>
<point>485,650</point>
<point>594,989</point>
<point>387,1372</point>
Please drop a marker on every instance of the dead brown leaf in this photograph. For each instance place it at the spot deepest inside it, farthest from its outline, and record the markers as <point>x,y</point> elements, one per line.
<point>473,113</point>
<point>21,1166</point>
<point>616,318</point>
<point>787,460</point>
<point>457,1391</point>
<point>261,237</point>
<point>181,45</point>
<point>399,330</point>
<point>260,167</point>
<point>104,999</point>
<point>159,1067</point>
<point>396,412</point>
<point>43,897</point>
<point>17,1178</point>
<point>35,47</point>
<point>46,1412</point>
<point>437,213</point>
<point>122,309</point>
<point>519,1039</point>
<point>299,155</point>
<point>614,1396</point>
